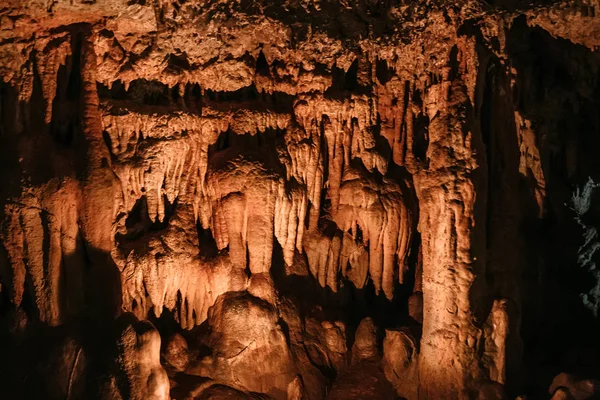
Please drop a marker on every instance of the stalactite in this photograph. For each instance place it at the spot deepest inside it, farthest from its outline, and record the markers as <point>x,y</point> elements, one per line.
<point>98,184</point>
<point>529,161</point>
<point>48,62</point>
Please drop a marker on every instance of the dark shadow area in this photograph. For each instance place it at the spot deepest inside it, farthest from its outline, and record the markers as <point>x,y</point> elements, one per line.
<point>156,97</point>
<point>420,130</point>
<point>41,361</point>
<point>10,131</point>
<point>262,66</point>
<point>207,243</point>
<point>559,92</point>
<point>349,304</point>
<point>510,216</point>
<point>259,148</point>
<point>383,73</point>
<point>64,125</point>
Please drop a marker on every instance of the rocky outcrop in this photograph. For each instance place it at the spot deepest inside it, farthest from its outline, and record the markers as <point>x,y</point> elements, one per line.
<point>568,386</point>
<point>400,362</point>
<point>251,350</point>
<point>139,361</point>
<point>177,353</point>
<point>365,341</point>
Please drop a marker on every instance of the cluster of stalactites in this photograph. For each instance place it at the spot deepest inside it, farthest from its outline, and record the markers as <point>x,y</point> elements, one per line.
<point>163,155</point>
<point>372,241</point>
<point>166,154</point>
<point>374,224</point>
<point>249,197</point>
<point>41,60</point>
<point>43,248</point>
<point>163,277</point>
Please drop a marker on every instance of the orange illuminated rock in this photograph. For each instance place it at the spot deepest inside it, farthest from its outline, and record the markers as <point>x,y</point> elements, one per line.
<point>259,178</point>
<point>139,362</point>
<point>365,341</point>
<point>250,350</point>
<point>176,352</point>
<point>400,362</point>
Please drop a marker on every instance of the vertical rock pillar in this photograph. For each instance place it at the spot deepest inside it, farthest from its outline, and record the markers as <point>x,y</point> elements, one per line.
<point>451,192</point>
<point>98,179</point>
<point>98,188</point>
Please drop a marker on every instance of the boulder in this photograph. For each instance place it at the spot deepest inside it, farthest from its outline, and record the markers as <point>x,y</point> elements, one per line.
<point>139,361</point>
<point>249,348</point>
<point>365,341</point>
<point>176,352</point>
<point>565,384</point>
<point>400,362</point>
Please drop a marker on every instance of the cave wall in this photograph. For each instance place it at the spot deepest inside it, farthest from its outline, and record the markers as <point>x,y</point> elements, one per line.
<point>257,178</point>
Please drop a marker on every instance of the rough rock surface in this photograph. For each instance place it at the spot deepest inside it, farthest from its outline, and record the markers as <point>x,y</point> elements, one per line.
<point>365,341</point>
<point>275,184</point>
<point>139,361</point>
<point>567,385</point>
<point>400,363</point>
<point>176,353</point>
<point>249,346</point>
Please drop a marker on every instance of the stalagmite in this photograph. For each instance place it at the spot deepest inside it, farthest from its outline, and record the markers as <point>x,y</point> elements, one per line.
<point>496,331</point>
<point>400,362</point>
<point>139,359</point>
<point>98,184</point>
<point>449,192</point>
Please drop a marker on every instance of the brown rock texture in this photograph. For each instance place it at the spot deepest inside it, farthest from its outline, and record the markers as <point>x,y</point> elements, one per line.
<point>300,199</point>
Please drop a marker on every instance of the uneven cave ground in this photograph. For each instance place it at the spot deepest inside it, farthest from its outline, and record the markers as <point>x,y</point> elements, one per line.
<point>304,199</point>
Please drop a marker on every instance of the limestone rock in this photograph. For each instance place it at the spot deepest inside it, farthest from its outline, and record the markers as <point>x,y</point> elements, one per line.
<point>561,394</point>
<point>250,350</point>
<point>491,390</point>
<point>139,361</point>
<point>365,341</point>
<point>326,343</point>
<point>221,392</point>
<point>176,352</point>
<point>415,306</point>
<point>364,380</point>
<point>295,389</point>
<point>568,386</point>
<point>263,174</point>
<point>400,362</point>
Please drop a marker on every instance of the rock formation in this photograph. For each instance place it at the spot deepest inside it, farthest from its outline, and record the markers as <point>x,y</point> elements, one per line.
<point>298,199</point>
